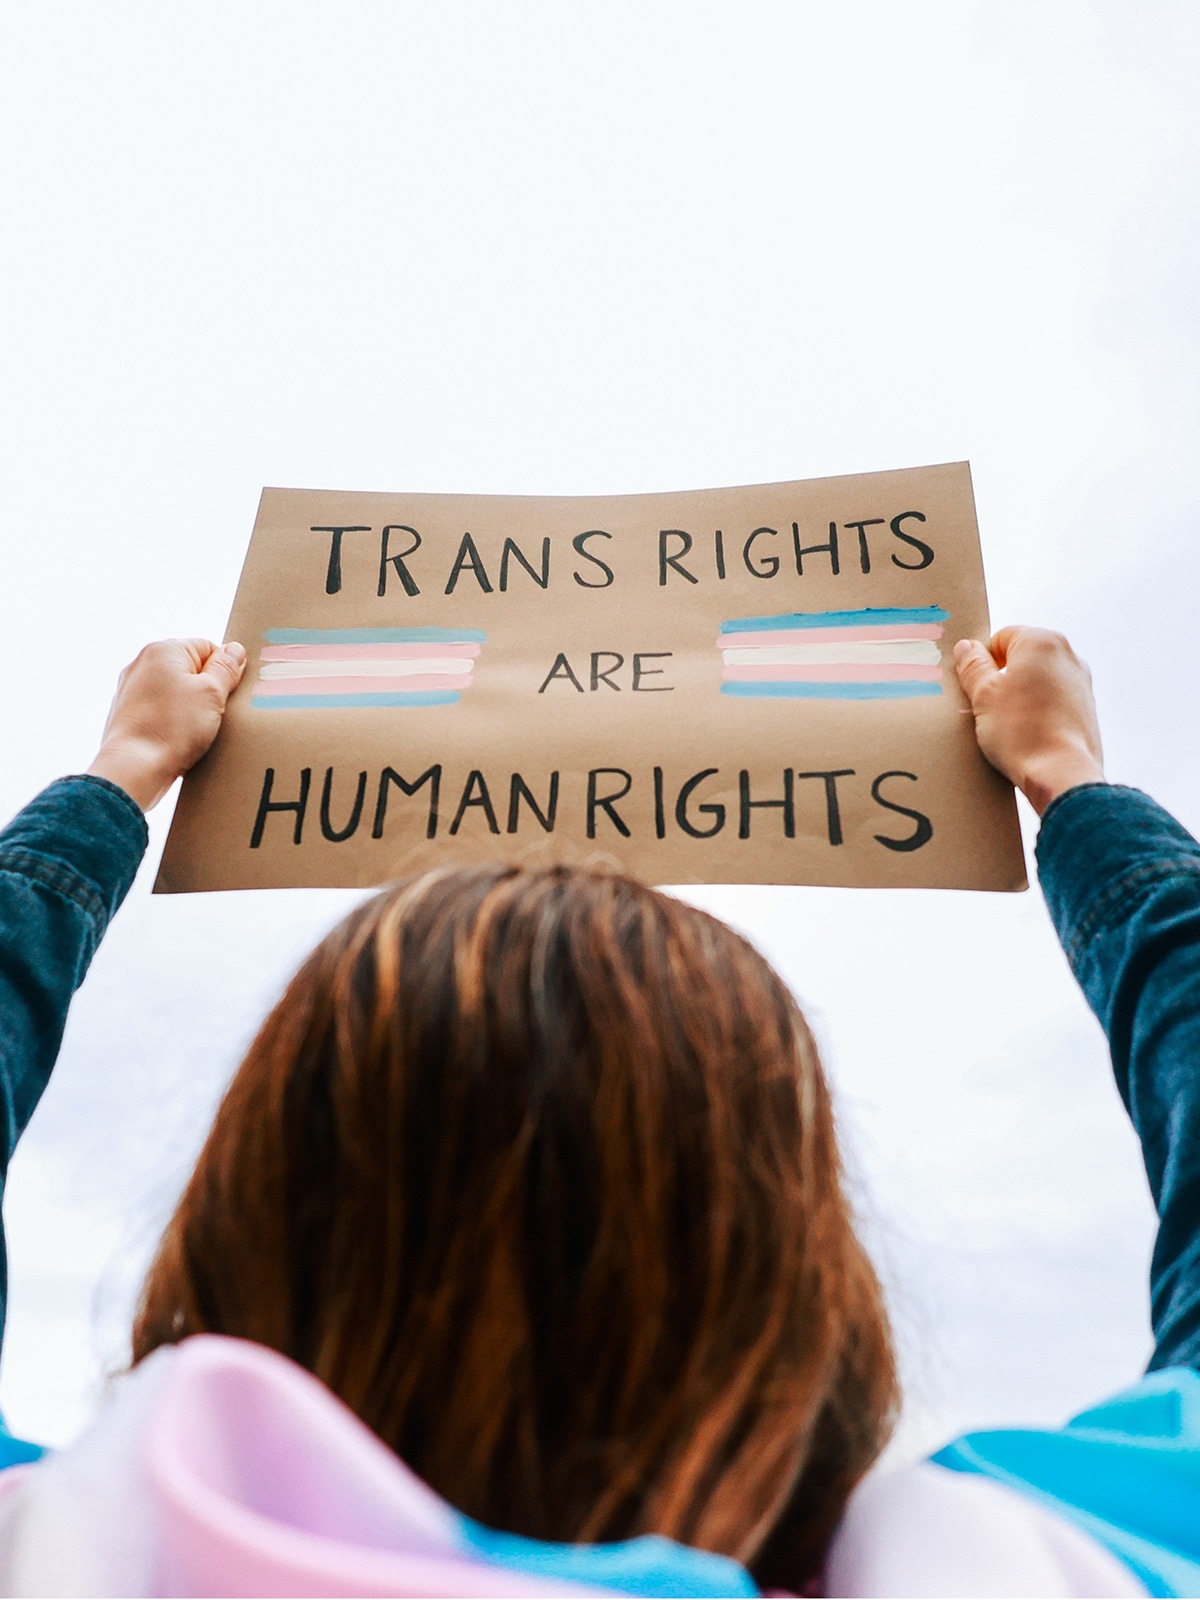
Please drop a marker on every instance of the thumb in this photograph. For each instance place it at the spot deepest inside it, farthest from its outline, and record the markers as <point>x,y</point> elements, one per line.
<point>976,667</point>
<point>225,667</point>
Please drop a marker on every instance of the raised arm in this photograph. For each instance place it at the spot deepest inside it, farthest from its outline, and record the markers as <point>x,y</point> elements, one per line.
<point>1122,883</point>
<point>68,859</point>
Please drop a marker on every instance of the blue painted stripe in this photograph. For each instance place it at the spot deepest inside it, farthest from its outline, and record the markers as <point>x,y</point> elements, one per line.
<point>895,689</point>
<point>307,702</point>
<point>375,636</point>
<point>873,616</point>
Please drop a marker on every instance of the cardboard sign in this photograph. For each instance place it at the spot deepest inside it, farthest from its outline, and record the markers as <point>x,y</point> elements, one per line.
<point>747,685</point>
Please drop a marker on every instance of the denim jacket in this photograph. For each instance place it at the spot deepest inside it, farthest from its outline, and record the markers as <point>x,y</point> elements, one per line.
<point>1122,881</point>
<point>66,864</point>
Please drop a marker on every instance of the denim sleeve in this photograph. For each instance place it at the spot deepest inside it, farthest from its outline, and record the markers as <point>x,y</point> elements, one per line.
<point>66,863</point>
<point>1122,881</point>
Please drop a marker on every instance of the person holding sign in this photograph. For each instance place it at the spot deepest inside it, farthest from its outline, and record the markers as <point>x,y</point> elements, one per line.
<point>518,1261</point>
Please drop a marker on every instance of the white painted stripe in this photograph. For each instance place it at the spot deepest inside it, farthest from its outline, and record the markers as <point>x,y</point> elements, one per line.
<point>860,652</point>
<point>395,668</point>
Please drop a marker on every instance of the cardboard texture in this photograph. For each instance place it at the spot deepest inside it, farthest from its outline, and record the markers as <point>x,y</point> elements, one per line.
<point>748,685</point>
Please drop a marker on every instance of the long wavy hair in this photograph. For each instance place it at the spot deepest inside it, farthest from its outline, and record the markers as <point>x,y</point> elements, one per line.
<point>536,1170</point>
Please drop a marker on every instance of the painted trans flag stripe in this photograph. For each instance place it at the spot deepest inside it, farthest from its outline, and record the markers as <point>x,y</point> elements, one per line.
<point>408,667</point>
<point>372,688</point>
<point>901,690</point>
<point>307,702</point>
<point>786,636</point>
<point>883,672</point>
<point>374,635</point>
<point>880,653</point>
<point>872,617</point>
<point>362,652</point>
<point>303,669</point>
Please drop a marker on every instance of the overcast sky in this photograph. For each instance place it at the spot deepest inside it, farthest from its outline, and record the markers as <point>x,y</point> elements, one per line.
<point>562,249</point>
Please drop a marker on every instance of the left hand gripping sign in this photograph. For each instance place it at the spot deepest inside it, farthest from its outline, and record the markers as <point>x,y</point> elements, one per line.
<point>748,685</point>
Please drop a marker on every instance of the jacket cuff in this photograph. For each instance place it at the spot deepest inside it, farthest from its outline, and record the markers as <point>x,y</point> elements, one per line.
<point>83,837</point>
<point>1101,848</point>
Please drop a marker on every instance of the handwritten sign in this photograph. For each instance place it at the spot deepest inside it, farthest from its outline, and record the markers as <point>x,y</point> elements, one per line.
<point>748,685</point>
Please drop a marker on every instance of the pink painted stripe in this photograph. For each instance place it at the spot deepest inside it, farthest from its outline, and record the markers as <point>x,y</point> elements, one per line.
<point>363,652</point>
<point>829,672</point>
<point>418,680</point>
<point>780,636</point>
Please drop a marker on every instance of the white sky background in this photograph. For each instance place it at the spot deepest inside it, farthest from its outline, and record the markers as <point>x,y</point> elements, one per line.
<point>562,249</point>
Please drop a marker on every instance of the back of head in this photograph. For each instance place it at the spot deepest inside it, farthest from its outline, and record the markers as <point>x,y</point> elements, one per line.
<point>537,1171</point>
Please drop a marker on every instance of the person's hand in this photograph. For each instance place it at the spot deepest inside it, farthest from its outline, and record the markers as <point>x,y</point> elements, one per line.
<point>166,712</point>
<point>1035,717</point>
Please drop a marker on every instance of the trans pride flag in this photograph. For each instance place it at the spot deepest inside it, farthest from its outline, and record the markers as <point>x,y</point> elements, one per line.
<point>304,668</point>
<point>882,653</point>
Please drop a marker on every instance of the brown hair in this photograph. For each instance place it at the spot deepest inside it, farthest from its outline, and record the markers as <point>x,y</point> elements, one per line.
<point>537,1171</point>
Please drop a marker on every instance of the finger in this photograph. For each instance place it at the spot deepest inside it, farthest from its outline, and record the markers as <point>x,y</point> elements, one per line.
<point>1002,642</point>
<point>198,651</point>
<point>975,666</point>
<point>225,667</point>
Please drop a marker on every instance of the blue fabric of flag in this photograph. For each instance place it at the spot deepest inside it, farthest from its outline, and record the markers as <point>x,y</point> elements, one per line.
<point>646,1566</point>
<point>1127,1472</point>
